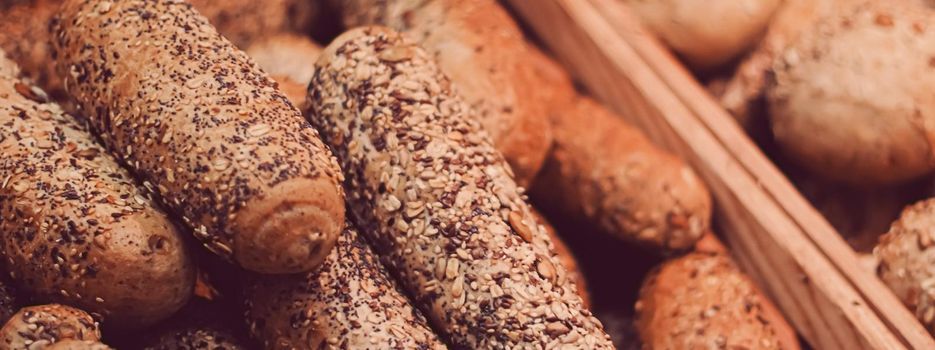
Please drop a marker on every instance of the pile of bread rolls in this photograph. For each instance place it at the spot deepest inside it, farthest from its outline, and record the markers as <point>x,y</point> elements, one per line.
<point>199,174</point>
<point>839,93</point>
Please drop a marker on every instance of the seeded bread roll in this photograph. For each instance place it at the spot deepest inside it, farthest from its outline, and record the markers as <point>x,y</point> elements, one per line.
<point>567,258</point>
<point>482,49</point>
<point>201,124</point>
<point>703,301</point>
<point>350,302</point>
<point>710,33</point>
<point>35,327</point>
<point>76,228</point>
<point>856,114</point>
<point>286,58</point>
<point>72,344</point>
<point>437,201</point>
<point>906,257</point>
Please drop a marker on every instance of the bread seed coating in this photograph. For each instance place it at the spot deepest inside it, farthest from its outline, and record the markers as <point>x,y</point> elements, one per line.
<point>703,301</point>
<point>205,128</point>
<point>349,302</point>
<point>76,228</point>
<point>907,260</point>
<point>36,327</point>
<point>482,49</point>
<point>436,200</point>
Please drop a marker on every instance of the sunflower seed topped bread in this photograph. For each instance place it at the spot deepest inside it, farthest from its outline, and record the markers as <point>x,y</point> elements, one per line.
<point>436,200</point>
<point>482,49</point>
<point>906,257</point>
<point>76,228</point>
<point>857,114</point>
<point>349,302</point>
<point>205,128</point>
<point>703,301</point>
<point>605,171</point>
<point>35,327</point>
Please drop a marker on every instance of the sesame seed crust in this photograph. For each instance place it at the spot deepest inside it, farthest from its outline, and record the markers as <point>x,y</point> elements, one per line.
<point>205,128</point>
<point>703,301</point>
<point>349,302</point>
<point>36,327</point>
<point>437,200</point>
<point>76,228</point>
<point>482,49</point>
<point>907,260</point>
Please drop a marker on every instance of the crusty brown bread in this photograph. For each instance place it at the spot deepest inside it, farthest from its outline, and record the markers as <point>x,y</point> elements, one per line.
<point>35,327</point>
<point>288,59</point>
<point>71,344</point>
<point>76,228</point>
<point>567,257</point>
<point>701,301</point>
<point>349,302</point>
<point>482,49</point>
<point>434,197</point>
<point>203,126</point>
<point>906,257</point>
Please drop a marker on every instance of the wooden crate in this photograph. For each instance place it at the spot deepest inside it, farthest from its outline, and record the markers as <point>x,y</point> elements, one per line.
<point>775,234</point>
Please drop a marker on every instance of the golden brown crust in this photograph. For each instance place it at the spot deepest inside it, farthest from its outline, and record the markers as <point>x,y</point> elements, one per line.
<point>608,172</point>
<point>567,258</point>
<point>858,115</point>
<point>907,260</point>
<point>350,302</point>
<point>76,227</point>
<point>482,49</point>
<point>436,199</point>
<point>47,324</point>
<point>701,301</point>
<point>201,124</point>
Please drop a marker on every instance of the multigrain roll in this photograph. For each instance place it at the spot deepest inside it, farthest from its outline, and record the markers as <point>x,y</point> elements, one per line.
<point>350,302</point>
<point>36,327</point>
<point>703,301</point>
<point>72,344</point>
<point>567,257</point>
<point>906,257</point>
<point>482,49</point>
<point>203,126</point>
<point>76,228</point>
<point>436,199</point>
<point>286,57</point>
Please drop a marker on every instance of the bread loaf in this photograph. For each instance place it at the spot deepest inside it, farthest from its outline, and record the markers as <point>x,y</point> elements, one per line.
<point>435,198</point>
<point>36,327</point>
<point>906,257</point>
<point>76,228</point>
<point>349,302</point>
<point>482,49</point>
<point>702,301</point>
<point>203,126</point>
<point>567,257</point>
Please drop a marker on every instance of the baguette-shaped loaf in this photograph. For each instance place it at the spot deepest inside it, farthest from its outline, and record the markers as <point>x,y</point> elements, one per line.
<point>72,344</point>
<point>608,172</point>
<point>76,228</point>
<point>286,58</point>
<point>201,124</point>
<point>703,301</point>
<point>482,49</point>
<point>906,257</point>
<point>437,201</point>
<point>349,302</point>
<point>35,327</point>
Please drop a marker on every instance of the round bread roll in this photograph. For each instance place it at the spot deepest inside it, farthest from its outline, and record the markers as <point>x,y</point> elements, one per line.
<point>851,97</point>
<point>906,258</point>
<point>47,324</point>
<point>76,227</point>
<point>703,301</point>
<point>202,125</point>
<point>706,33</point>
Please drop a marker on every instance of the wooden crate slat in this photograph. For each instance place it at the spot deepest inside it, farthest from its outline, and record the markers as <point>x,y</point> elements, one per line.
<point>813,294</point>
